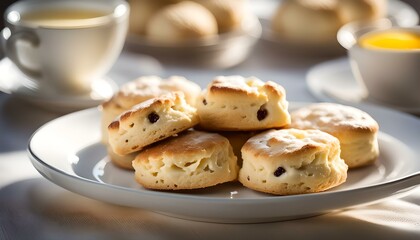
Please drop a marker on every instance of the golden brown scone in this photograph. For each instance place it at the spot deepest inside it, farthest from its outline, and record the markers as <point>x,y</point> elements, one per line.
<point>237,140</point>
<point>307,21</point>
<point>359,10</point>
<point>151,121</point>
<point>356,130</point>
<point>182,21</point>
<point>137,91</point>
<point>228,13</point>
<point>235,103</point>
<point>189,161</point>
<point>292,161</point>
<point>140,13</point>
<point>142,89</point>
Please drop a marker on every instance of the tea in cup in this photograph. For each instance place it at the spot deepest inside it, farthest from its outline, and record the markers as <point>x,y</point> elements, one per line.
<point>385,59</point>
<point>64,46</point>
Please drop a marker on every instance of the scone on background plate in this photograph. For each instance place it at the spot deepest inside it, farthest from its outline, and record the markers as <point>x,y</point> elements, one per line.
<point>179,22</point>
<point>362,10</point>
<point>317,21</point>
<point>228,13</point>
<point>292,161</point>
<point>151,121</point>
<point>307,20</point>
<point>140,13</point>
<point>356,130</point>
<point>235,103</point>
<point>191,160</point>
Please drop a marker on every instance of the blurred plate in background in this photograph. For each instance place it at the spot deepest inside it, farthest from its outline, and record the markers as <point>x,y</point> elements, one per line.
<point>222,51</point>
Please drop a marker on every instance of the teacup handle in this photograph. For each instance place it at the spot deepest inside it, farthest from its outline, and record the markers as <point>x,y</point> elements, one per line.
<point>11,51</point>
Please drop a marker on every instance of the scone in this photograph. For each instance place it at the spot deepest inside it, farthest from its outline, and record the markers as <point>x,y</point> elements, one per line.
<point>180,22</point>
<point>360,10</point>
<point>356,130</point>
<point>237,141</point>
<point>235,103</point>
<point>137,91</point>
<point>122,161</point>
<point>307,20</point>
<point>151,121</point>
<point>228,13</point>
<point>189,161</point>
<point>292,161</point>
<point>140,13</point>
<point>142,89</point>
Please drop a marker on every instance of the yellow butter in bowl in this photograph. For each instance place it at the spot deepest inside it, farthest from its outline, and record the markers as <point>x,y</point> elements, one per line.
<point>391,39</point>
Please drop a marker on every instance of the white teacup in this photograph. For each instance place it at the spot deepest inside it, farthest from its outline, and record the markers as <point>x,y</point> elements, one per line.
<point>389,76</point>
<point>64,46</point>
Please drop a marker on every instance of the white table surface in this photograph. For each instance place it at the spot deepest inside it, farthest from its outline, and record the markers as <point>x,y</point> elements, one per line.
<point>31,207</point>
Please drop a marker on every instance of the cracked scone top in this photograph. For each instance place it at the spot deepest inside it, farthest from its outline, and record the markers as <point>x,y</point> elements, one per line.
<point>292,161</point>
<point>151,121</point>
<point>148,87</point>
<point>191,160</point>
<point>234,103</point>
<point>356,130</point>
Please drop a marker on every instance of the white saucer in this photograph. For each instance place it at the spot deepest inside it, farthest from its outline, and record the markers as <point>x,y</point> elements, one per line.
<point>333,81</point>
<point>13,82</point>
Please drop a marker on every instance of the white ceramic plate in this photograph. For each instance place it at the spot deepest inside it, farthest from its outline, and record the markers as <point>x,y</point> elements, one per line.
<point>67,152</point>
<point>14,82</point>
<point>333,81</point>
<point>400,13</point>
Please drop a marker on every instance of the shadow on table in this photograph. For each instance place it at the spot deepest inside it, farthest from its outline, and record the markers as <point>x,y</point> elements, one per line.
<point>38,209</point>
<point>18,121</point>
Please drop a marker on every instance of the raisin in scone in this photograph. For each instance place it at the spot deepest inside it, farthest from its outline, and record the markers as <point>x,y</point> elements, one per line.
<point>356,130</point>
<point>191,160</point>
<point>142,89</point>
<point>151,121</point>
<point>235,103</point>
<point>292,161</point>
